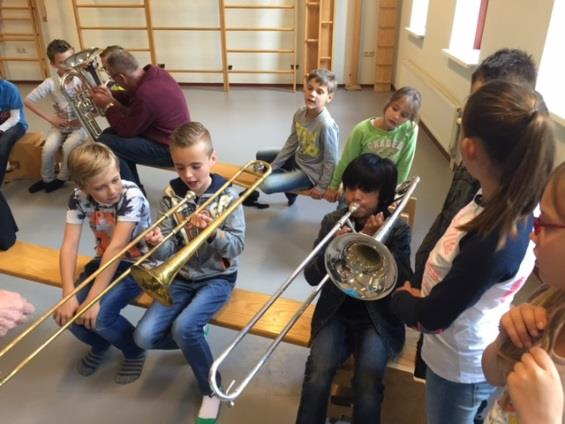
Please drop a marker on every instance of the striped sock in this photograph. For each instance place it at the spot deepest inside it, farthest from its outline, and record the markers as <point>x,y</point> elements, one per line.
<point>90,363</point>
<point>130,370</point>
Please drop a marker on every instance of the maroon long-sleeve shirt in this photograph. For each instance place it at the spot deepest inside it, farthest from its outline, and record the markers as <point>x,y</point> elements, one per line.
<point>156,109</point>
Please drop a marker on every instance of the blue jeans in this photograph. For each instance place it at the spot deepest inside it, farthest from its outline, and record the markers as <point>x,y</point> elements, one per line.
<point>182,324</point>
<point>330,348</point>
<point>449,402</point>
<point>111,328</point>
<point>135,150</point>
<point>289,178</point>
<point>7,141</point>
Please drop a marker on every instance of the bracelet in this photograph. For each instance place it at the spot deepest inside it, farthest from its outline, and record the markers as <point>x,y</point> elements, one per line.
<point>108,106</point>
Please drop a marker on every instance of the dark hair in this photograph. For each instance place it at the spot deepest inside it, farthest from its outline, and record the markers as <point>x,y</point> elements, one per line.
<point>189,134</point>
<point>514,127</point>
<point>110,49</point>
<point>369,172</point>
<point>412,96</point>
<point>324,78</point>
<point>57,46</point>
<point>510,65</point>
<point>121,61</point>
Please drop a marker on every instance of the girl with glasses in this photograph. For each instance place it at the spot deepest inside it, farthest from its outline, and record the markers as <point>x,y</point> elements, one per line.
<point>529,353</point>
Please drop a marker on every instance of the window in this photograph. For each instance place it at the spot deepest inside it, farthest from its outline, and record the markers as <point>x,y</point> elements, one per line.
<point>467,32</point>
<point>418,18</point>
<point>550,76</point>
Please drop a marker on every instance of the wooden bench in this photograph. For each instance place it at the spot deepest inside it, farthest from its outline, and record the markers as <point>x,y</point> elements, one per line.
<point>41,264</point>
<point>25,158</point>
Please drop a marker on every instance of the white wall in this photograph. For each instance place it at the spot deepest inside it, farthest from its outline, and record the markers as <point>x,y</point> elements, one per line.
<point>202,49</point>
<point>510,23</point>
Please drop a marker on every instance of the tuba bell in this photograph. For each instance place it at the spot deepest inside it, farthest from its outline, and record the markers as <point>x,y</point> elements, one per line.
<point>86,66</point>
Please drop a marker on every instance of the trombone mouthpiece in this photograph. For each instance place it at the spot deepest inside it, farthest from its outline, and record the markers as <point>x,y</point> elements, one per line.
<point>353,207</point>
<point>190,195</point>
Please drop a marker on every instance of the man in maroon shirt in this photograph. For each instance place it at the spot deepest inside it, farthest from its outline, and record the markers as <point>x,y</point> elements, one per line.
<point>142,117</point>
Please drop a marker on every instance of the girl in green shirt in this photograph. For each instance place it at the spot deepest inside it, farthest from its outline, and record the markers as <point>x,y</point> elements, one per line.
<point>392,136</point>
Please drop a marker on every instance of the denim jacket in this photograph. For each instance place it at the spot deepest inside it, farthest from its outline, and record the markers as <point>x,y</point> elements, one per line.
<point>217,257</point>
<point>331,298</point>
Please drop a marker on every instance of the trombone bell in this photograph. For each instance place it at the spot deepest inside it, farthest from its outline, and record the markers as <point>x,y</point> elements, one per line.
<point>155,281</point>
<point>361,267</point>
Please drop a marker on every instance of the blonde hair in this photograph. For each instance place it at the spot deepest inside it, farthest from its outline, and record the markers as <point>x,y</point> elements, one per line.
<point>187,135</point>
<point>89,160</point>
<point>552,299</point>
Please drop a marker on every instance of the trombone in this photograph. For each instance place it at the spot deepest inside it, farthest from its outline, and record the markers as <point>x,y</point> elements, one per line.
<point>156,289</point>
<point>358,264</point>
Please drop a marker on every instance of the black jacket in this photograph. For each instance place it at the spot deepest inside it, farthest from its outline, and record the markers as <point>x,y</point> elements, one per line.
<point>331,298</point>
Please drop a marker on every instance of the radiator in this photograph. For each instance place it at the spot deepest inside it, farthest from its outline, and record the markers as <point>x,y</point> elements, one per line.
<point>440,111</point>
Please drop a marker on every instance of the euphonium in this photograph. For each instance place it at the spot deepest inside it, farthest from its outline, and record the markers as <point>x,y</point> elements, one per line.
<point>85,66</point>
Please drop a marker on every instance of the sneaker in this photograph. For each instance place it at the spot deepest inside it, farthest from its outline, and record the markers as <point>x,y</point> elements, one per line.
<point>251,201</point>
<point>54,185</point>
<point>291,197</point>
<point>37,186</point>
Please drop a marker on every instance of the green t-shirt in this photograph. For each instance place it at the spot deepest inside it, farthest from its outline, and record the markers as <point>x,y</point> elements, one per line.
<point>398,145</point>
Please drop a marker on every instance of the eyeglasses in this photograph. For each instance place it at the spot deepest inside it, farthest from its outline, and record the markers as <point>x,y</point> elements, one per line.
<point>538,225</point>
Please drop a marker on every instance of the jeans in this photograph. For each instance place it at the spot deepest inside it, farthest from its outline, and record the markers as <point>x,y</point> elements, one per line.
<point>289,178</point>
<point>330,348</point>
<point>182,324</point>
<point>449,402</point>
<point>7,141</point>
<point>111,328</point>
<point>53,141</point>
<point>135,150</point>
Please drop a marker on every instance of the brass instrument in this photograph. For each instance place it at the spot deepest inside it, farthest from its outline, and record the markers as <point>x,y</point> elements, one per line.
<point>259,169</point>
<point>178,216</point>
<point>85,66</point>
<point>364,269</point>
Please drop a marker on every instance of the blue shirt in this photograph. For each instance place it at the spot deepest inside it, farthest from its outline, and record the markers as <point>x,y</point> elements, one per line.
<point>10,99</point>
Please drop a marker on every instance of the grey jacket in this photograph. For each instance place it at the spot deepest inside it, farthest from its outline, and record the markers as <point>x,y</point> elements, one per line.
<point>313,143</point>
<point>217,257</point>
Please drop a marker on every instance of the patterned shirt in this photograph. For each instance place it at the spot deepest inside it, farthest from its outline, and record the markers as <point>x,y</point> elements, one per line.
<point>132,207</point>
<point>398,145</point>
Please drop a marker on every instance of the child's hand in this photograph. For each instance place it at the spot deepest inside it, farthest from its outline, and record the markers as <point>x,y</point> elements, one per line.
<point>199,221</point>
<point>373,224</point>
<point>343,230</point>
<point>331,195</point>
<point>58,122</point>
<point>154,237</point>
<point>535,388</point>
<point>407,287</point>
<point>316,194</point>
<point>524,323</point>
<point>88,319</point>
<point>66,311</point>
